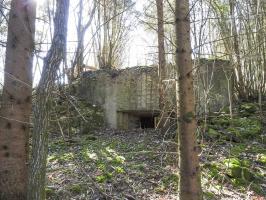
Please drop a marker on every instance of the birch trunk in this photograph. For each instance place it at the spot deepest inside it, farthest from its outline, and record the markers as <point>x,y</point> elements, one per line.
<point>55,55</point>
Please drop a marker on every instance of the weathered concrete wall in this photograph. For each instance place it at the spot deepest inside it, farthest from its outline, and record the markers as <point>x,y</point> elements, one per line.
<point>121,92</point>
<point>137,89</point>
<point>211,84</point>
<point>130,93</point>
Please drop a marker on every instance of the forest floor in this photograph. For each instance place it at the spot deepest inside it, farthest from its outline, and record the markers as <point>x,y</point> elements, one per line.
<point>142,164</point>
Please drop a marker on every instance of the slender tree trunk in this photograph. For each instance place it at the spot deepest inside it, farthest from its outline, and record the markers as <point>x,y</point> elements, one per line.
<point>105,34</point>
<point>78,61</point>
<point>79,57</point>
<point>161,49</point>
<point>1,10</point>
<point>162,63</point>
<point>36,189</point>
<point>234,34</point>
<point>16,101</point>
<point>190,183</point>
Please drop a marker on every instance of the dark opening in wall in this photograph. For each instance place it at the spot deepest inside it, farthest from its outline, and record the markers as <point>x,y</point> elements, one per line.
<point>147,122</point>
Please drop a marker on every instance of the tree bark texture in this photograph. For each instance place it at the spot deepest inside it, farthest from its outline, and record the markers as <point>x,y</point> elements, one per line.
<point>36,188</point>
<point>236,50</point>
<point>17,101</point>
<point>190,183</point>
<point>162,65</point>
<point>161,49</point>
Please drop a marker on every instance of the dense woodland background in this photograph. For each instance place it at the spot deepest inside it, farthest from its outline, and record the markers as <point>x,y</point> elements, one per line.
<point>54,144</point>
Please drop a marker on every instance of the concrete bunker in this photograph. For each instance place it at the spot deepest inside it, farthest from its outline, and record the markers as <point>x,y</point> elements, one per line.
<point>130,96</point>
<point>137,119</point>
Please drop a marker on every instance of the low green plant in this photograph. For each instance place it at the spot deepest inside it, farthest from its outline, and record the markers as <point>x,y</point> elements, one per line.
<point>76,188</point>
<point>104,177</point>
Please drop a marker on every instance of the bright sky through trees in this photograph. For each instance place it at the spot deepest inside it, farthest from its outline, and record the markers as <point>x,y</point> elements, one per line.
<point>138,47</point>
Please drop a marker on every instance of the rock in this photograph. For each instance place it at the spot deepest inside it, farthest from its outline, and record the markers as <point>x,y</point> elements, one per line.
<point>238,169</point>
<point>212,134</point>
<point>261,158</point>
<point>247,174</point>
<point>222,121</point>
<point>248,109</point>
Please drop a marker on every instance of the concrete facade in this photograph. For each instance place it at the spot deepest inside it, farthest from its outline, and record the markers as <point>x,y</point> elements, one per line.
<point>130,97</point>
<point>124,94</point>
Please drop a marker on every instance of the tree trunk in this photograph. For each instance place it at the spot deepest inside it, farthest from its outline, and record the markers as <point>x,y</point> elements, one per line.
<point>236,51</point>
<point>55,55</point>
<point>162,66</point>
<point>16,101</point>
<point>190,183</point>
<point>79,54</point>
<point>1,11</point>
<point>161,49</point>
<point>105,32</point>
<point>78,61</point>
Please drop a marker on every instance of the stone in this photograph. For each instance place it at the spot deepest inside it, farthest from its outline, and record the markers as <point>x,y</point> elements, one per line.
<point>130,97</point>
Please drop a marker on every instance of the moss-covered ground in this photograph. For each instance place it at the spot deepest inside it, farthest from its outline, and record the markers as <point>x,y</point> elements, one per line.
<point>112,165</point>
<point>142,164</point>
<point>234,153</point>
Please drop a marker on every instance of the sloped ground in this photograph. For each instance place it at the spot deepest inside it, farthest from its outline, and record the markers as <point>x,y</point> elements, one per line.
<point>138,165</point>
<point>142,164</point>
<point>234,154</point>
<point>112,165</point>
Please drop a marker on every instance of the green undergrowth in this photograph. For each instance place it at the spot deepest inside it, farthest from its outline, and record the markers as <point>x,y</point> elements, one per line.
<point>114,161</point>
<point>136,162</point>
<point>77,188</point>
<point>75,116</point>
<point>245,125</point>
<point>241,162</point>
<point>237,129</point>
<point>248,109</point>
<point>169,181</point>
<point>241,173</point>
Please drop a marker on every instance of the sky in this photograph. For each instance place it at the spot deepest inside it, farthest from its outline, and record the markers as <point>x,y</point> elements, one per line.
<point>140,49</point>
<point>141,42</point>
<point>137,49</point>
